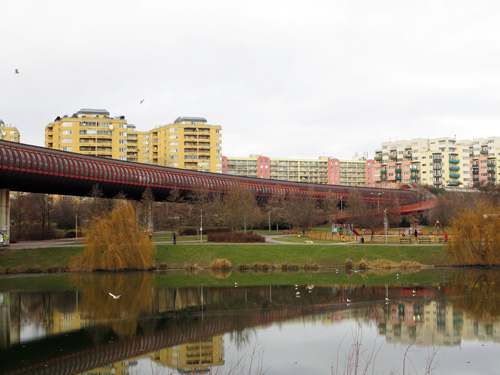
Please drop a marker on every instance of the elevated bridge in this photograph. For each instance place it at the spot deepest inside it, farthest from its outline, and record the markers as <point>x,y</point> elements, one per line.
<point>36,169</point>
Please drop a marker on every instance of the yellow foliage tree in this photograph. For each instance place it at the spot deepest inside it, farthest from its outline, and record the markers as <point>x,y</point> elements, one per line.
<point>477,235</point>
<point>114,242</point>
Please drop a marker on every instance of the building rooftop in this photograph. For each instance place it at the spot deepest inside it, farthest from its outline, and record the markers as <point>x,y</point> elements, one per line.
<point>93,111</point>
<point>188,118</point>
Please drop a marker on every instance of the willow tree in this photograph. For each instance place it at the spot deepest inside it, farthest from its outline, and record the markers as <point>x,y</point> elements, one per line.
<point>476,238</point>
<point>114,242</point>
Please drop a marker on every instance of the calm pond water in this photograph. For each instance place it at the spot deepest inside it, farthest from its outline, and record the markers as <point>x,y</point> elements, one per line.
<point>390,322</point>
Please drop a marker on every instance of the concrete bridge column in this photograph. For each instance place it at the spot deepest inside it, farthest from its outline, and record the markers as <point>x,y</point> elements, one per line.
<point>4,217</point>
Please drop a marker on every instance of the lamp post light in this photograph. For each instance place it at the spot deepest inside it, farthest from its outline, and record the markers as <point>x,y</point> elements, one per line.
<point>386,224</point>
<point>201,226</point>
<point>378,200</point>
<point>76,228</point>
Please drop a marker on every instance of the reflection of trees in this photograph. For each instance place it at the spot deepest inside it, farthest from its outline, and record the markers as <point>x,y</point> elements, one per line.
<point>123,314</point>
<point>241,338</point>
<point>477,292</point>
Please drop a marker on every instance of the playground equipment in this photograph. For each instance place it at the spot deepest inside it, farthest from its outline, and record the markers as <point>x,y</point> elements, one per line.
<point>346,229</point>
<point>438,224</point>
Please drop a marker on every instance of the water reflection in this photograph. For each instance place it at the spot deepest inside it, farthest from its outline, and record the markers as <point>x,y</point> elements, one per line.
<point>151,329</point>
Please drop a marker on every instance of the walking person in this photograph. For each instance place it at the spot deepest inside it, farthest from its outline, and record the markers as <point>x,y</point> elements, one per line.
<point>445,237</point>
<point>175,239</point>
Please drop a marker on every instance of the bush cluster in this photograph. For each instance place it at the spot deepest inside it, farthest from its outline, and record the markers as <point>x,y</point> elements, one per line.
<point>234,237</point>
<point>194,231</point>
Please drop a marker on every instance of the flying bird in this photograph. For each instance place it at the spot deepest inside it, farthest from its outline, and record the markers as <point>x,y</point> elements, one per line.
<point>114,297</point>
<point>141,101</point>
<point>16,71</point>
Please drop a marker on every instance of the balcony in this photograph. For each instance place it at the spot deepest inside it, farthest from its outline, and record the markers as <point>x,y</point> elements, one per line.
<point>454,175</point>
<point>455,161</point>
<point>398,170</point>
<point>491,177</point>
<point>414,169</point>
<point>454,168</point>
<point>383,172</point>
<point>454,183</point>
<point>475,178</point>
<point>491,171</point>
<point>398,177</point>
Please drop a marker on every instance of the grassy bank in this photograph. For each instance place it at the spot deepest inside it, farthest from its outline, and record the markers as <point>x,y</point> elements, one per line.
<point>178,256</point>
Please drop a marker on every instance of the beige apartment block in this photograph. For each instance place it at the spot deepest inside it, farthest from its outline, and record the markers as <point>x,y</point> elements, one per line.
<point>9,133</point>
<point>324,170</point>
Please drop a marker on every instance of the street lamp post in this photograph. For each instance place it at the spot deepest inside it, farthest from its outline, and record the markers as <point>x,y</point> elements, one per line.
<point>341,201</point>
<point>386,224</point>
<point>269,213</point>
<point>378,200</point>
<point>201,226</point>
<point>76,228</point>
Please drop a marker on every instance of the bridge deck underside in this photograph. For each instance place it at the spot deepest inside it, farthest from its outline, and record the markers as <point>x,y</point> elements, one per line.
<point>40,170</point>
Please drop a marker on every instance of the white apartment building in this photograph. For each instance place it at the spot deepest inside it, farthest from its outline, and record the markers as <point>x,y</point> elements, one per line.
<point>438,162</point>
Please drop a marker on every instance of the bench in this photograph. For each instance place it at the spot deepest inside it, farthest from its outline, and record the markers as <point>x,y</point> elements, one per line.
<point>424,240</point>
<point>405,240</point>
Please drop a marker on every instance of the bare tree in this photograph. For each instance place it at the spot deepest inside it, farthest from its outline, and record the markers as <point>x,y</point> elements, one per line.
<point>40,210</point>
<point>240,208</point>
<point>19,214</point>
<point>304,213</point>
<point>144,209</point>
<point>65,209</point>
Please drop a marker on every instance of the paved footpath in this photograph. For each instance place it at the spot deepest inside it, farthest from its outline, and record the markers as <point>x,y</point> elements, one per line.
<point>45,243</point>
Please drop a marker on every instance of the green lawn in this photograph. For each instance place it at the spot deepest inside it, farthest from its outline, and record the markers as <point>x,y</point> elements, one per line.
<point>182,254</point>
<point>322,255</point>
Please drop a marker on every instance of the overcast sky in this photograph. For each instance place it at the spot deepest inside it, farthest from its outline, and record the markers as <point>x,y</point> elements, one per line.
<point>290,79</point>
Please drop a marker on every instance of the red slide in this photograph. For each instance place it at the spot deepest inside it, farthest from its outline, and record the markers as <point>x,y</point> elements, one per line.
<point>355,231</point>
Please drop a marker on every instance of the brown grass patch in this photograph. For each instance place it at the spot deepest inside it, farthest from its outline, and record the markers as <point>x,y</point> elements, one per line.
<point>221,264</point>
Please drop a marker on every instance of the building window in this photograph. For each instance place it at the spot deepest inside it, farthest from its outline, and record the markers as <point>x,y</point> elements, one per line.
<point>67,132</point>
<point>66,123</point>
<point>67,140</point>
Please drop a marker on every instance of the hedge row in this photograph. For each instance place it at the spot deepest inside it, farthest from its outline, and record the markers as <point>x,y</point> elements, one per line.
<point>234,237</point>
<point>194,231</point>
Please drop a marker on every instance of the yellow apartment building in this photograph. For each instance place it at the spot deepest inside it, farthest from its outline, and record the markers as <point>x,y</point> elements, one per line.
<point>89,132</point>
<point>324,170</point>
<point>194,357</point>
<point>188,143</point>
<point>9,133</point>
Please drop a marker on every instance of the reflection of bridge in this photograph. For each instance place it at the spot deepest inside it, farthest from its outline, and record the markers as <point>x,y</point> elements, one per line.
<point>76,352</point>
<point>80,354</point>
<point>40,170</point>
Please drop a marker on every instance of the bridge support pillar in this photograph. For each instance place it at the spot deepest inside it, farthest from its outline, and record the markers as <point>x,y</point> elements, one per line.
<point>4,217</point>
